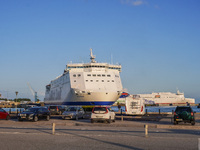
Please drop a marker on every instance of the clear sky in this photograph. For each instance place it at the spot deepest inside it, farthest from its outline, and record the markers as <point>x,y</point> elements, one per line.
<point>157,42</point>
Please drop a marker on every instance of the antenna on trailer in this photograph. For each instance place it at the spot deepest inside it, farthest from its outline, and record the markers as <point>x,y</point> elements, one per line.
<point>34,93</point>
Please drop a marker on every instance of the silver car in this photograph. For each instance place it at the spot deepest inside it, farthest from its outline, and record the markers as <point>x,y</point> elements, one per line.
<point>73,112</point>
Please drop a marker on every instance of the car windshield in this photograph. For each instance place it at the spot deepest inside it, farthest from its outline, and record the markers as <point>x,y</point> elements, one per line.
<point>1,110</point>
<point>61,107</point>
<point>181,109</point>
<point>32,110</point>
<point>71,109</point>
<point>52,107</point>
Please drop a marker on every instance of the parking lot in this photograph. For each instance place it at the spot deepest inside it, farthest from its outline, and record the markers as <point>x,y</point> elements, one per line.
<point>81,134</point>
<point>154,121</point>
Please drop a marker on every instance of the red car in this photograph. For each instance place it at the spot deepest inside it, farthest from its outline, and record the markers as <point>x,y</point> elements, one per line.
<point>4,114</point>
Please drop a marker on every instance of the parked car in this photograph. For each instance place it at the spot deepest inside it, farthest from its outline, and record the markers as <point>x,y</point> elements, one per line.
<point>4,114</point>
<point>57,110</point>
<point>184,114</point>
<point>73,112</point>
<point>198,106</point>
<point>100,113</point>
<point>34,113</point>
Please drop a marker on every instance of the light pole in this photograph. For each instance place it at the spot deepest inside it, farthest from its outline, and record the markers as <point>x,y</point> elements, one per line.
<point>16,97</point>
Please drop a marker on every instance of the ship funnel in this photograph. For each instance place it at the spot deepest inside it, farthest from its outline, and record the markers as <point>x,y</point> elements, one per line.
<point>92,57</point>
<point>179,93</point>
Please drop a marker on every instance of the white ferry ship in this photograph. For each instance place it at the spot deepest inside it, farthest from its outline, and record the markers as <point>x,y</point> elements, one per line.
<point>166,98</point>
<point>86,84</point>
<point>159,98</point>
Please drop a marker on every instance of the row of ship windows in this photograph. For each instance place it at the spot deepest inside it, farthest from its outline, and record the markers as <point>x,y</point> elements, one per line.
<point>97,80</point>
<point>94,75</point>
<point>93,67</point>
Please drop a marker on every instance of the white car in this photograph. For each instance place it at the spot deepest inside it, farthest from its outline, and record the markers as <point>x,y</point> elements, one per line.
<point>101,113</point>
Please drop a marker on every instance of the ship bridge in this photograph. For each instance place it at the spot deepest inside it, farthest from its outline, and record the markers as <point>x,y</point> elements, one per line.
<point>93,67</point>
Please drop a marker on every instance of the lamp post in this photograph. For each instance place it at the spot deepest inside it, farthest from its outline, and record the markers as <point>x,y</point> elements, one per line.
<point>16,97</point>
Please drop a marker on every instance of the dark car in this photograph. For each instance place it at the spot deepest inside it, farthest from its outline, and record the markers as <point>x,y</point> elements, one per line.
<point>184,114</point>
<point>56,110</point>
<point>4,114</point>
<point>34,114</point>
<point>198,106</point>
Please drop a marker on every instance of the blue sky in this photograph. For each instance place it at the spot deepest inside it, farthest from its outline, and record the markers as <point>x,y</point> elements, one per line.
<point>156,42</point>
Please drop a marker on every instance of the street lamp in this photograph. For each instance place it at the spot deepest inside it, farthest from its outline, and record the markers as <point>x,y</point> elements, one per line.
<point>16,97</point>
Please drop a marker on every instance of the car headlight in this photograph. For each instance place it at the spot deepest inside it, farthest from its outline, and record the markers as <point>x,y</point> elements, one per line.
<point>31,115</point>
<point>73,114</point>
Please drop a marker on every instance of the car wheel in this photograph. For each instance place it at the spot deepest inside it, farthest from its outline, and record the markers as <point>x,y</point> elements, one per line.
<point>8,117</point>
<point>193,123</point>
<point>60,112</point>
<point>175,122</point>
<point>109,121</point>
<point>83,117</point>
<point>76,117</point>
<point>92,121</point>
<point>48,118</point>
<point>19,119</point>
<point>114,119</point>
<point>35,119</point>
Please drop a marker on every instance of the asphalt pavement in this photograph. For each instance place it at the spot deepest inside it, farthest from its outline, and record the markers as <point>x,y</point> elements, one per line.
<point>81,134</point>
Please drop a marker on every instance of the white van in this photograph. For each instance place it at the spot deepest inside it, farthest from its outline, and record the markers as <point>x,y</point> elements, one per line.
<point>134,105</point>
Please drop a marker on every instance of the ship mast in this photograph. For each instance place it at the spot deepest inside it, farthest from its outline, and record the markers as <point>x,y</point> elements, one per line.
<point>92,57</point>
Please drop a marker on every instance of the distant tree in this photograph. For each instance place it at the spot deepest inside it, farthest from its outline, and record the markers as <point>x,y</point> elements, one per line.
<point>5,99</point>
<point>21,99</point>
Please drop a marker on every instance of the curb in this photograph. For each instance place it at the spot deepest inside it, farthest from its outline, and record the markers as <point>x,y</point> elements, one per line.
<point>178,127</point>
<point>186,127</point>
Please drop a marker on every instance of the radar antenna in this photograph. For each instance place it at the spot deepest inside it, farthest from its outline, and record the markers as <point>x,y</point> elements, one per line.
<point>92,57</point>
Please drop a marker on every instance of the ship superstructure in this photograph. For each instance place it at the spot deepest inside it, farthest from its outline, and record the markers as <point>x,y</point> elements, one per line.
<point>86,84</point>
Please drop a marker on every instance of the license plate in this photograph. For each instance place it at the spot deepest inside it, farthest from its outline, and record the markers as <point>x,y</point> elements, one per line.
<point>179,119</point>
<point>23,117</point>
<point>99,116</point>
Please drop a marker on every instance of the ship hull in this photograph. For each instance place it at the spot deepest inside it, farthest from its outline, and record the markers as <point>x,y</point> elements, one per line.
<point>93,98</point>
<point>92,103</point>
